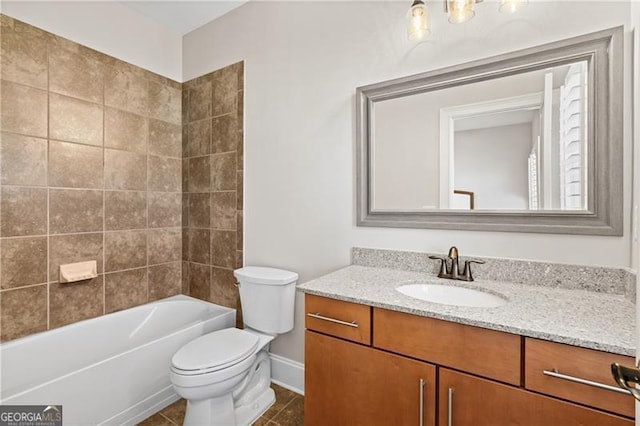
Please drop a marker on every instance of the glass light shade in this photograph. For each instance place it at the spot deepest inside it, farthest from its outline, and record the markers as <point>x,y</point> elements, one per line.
<point>512,6</point>
<point>418,21</point>
<point>460,10</point>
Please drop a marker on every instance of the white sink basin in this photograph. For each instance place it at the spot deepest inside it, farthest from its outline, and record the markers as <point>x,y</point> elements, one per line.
<point>449,295</point>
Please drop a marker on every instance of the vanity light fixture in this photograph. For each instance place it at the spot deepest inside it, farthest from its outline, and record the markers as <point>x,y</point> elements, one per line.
<point>512,6</point>
<point>459,11</point>
<point>418,17</point>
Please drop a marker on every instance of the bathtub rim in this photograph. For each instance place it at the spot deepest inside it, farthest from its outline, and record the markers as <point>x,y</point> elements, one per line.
<point>181,297</point>
<point>53,331</point>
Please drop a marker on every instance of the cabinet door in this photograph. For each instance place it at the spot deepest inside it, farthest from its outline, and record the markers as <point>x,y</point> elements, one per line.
<point>470,401</point>
<point>351,384</point>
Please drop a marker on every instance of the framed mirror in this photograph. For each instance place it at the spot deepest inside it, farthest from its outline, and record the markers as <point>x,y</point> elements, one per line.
<point>529,141</point>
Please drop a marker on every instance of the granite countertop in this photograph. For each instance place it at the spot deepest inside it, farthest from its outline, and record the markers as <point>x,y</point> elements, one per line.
<point>577,317</point>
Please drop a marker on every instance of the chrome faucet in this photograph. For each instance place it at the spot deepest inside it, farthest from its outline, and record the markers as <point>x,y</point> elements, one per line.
<point>450,267</point>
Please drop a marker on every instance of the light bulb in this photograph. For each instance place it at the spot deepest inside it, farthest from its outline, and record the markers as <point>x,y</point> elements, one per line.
<point>418,21</point>
<point>512,6</point>
<point>460,10</point>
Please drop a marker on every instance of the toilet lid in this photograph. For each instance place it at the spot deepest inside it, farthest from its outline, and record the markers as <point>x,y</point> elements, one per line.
<point>215,350</point>
<point>263,275</point>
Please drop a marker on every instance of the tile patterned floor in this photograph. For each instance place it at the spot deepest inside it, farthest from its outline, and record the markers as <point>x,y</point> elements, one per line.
<point>288,410</point>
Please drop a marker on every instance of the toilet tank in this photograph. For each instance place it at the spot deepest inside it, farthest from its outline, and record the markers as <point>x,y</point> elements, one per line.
<point>268,298</point>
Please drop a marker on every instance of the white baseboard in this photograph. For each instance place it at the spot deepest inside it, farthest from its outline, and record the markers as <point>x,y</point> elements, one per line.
<point>287,373</point>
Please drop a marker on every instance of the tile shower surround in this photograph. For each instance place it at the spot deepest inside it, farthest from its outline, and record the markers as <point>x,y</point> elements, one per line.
<point>212,116</point>
<point>91,154</point>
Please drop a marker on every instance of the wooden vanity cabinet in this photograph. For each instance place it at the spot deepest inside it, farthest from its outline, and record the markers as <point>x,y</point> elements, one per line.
<point>371,374</point>
<point>347,382</point>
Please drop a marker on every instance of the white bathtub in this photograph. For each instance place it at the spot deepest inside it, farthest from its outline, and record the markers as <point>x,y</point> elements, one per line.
<point>110,370</point>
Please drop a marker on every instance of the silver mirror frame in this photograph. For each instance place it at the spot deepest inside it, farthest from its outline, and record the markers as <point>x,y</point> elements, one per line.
<point>604,52</point>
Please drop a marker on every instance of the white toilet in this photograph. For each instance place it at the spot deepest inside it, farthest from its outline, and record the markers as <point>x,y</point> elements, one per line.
<point>225,375</point>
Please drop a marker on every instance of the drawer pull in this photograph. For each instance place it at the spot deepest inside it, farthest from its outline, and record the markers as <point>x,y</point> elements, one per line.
<point>450,408</point>
<point>584,381</point>
<point>317,315</point>
<point>421,402</point>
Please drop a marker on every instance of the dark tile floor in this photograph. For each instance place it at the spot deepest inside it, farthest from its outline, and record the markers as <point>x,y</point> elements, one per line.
<point>288,410</point>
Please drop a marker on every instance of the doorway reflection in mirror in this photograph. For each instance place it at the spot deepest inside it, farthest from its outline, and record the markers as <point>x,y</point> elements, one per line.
<point>517,143</point>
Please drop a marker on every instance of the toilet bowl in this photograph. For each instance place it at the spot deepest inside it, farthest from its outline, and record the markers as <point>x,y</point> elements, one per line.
<point>225,375</point>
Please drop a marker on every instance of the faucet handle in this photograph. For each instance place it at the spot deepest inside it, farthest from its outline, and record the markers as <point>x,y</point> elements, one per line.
<point>442,272</point>
<point>468,276</point>
<point>453,252</point>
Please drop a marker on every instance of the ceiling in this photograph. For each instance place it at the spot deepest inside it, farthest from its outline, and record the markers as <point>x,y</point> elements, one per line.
<point>182,17</point>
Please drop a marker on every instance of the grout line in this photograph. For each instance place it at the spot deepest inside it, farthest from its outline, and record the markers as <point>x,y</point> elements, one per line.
<point>66,188</point>
<point>112,148</point>
<point>295,396</point>
<point>20,237</point>
<point>9,132</point>
<point>5,290</point>
<point>215,229</point>
<point>48,170</point>
<point>280,411</point>
<point>231,151</point>
<point>167,418</point>
<point>141,267</point>
<point>104,192</point>
<point>163,228</point>
<point>223,115</point>
<point>146,181</point>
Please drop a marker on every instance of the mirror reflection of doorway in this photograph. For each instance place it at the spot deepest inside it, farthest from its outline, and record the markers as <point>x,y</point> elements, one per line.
<point>526,152</point>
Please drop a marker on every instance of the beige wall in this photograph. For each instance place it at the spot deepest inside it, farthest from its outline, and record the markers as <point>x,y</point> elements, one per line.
<point>212,184</point>
<point>303,62</point>
<point>90,170</point>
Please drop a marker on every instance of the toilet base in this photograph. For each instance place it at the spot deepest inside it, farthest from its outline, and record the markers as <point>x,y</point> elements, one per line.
<point>220,411</point>
<point>250,399</point>
<point>247,414</point>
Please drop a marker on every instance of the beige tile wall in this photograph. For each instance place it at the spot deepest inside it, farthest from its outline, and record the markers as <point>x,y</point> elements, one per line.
<point>90,160</point>
<point>212,108</point>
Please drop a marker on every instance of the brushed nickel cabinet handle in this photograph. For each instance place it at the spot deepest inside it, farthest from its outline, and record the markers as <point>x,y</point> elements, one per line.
<point>317,315</point>
<point>450,408</point>
<point>561,376</point>
<point>421,422</point>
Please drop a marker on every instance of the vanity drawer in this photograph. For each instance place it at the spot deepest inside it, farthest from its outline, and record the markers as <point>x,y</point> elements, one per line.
<point>350,321</point>
<point>488,353</point>
<point>581,363</point>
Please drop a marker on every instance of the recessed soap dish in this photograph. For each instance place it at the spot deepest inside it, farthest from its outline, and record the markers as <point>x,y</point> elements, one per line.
<point>80,271</point>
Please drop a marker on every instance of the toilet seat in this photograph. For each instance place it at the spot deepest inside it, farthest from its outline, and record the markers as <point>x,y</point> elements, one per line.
<point>214,351</point>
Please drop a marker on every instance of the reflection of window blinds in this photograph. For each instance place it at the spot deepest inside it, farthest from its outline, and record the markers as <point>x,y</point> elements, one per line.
<point>533,180</point>
<point>573,138</point>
